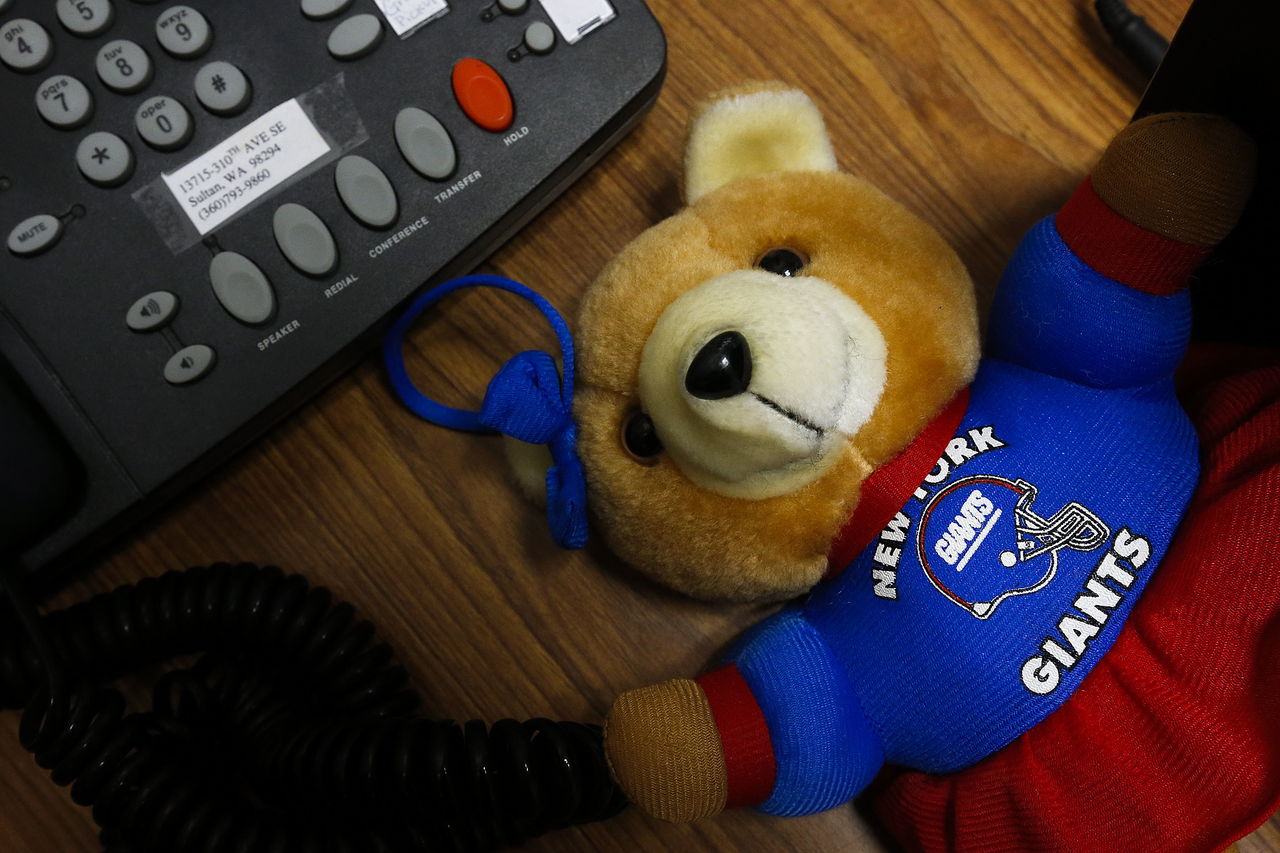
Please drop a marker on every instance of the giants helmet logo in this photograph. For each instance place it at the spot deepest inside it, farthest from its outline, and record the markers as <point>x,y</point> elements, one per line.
<point>980,541</point>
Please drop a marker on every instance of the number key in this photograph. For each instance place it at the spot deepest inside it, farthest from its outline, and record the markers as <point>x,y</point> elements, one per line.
<point>183,32</point>
<point>222,88</point>
<point>163,122</point>
<point>64,101</point>
<point>105,159</point>
<point>123,66</point>
<point>24,45</point>
<point>85,18</point>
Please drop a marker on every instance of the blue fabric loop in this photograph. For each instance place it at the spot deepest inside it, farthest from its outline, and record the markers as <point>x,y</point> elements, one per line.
<point>526,400</point>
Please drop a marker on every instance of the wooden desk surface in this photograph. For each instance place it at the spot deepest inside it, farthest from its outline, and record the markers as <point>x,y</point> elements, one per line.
<point>980,115</point>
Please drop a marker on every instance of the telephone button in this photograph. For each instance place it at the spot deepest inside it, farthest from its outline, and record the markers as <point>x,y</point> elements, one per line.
<point>64,101</point>
<point>189,364</point>
<point>164,123</point>
<point>25,45</point>
<point>366,192</point>
<point>222,88</point>
<point>355,37</point>
<point>304,239</point>
<point>483,95</point>
<point>124,66</point>
<point>183,32</point>
<point>425,143</point>
<point>319,9</point>
<point>151,312</point>
<point>539,37</point>
<point>85,18</point>
<point>242,289</point>
<point>105,159</point>
<point>33,235</point>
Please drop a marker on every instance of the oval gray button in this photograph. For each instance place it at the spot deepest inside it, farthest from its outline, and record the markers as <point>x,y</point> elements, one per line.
<point>317,9</point>
<point>33,235</point>
<point>189,364</point>
<point>152,311</point>
<point>355,37</point>
<point>425,143</point>
<point>366,192</point>
<point>241,287</point>
<point>304,239</point>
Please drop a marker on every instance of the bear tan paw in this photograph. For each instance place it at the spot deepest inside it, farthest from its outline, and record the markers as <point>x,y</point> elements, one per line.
<point>1185,176</point>
<point>664,750</point>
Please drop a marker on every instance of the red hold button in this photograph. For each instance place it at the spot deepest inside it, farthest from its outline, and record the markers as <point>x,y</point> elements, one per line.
<point>483,95</point>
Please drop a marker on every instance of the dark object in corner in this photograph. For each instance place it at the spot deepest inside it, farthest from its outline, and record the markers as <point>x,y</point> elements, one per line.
<point>1131,33</point>
<point>1223,60</point>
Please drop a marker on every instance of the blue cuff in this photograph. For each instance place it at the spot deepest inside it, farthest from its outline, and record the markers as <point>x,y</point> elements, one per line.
<point>825,749</point>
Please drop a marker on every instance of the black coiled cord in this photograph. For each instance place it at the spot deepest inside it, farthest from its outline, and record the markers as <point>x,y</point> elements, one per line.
<point>294,730</point>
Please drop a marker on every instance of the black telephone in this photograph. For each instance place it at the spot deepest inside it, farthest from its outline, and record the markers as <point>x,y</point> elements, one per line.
<point>209,210</point>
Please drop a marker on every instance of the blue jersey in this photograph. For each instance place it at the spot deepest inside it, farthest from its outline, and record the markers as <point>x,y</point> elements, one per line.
<point>1008,573</point>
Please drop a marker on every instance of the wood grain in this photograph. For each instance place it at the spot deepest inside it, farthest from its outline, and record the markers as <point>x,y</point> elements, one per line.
<point>979,114</point>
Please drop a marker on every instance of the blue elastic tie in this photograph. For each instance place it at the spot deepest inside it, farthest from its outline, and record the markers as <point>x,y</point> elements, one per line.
<point>525,400</point>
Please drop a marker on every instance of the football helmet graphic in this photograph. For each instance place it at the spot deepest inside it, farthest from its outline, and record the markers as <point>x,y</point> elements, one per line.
<point>981,541</point>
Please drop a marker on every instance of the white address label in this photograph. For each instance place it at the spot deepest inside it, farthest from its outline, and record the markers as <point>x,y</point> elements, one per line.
<point>575,18</point>
<point>246,166</point>
<point>405,16</point>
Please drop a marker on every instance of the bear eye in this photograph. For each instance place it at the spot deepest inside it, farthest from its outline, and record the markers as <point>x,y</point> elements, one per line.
<point>782,261</point>
<point>640,439</point>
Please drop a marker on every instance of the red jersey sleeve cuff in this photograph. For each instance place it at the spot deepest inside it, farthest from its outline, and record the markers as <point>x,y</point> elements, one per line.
<point>1122,251</point>
<point>744,737</point>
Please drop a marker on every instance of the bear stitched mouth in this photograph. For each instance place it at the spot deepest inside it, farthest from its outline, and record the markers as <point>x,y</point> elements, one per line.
<point>794,417</point>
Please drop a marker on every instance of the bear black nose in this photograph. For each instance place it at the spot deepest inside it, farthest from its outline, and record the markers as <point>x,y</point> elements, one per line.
<point>722,368</point>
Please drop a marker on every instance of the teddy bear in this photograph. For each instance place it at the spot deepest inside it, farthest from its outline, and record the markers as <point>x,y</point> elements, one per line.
<point>781,391</point>
<point>1012,633</point>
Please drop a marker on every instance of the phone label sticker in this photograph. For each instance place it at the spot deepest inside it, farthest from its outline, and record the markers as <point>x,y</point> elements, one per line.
<point>575,18</point>
<point>406,16</point>
<point>246,166</point>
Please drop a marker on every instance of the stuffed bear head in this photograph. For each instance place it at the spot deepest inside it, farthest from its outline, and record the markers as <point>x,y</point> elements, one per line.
<point>744,365</point>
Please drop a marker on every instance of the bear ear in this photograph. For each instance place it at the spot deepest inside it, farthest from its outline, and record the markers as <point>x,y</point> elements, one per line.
<point>750,130</point>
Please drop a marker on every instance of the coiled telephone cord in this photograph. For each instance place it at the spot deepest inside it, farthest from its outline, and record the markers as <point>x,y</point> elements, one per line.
<point>294,731</point>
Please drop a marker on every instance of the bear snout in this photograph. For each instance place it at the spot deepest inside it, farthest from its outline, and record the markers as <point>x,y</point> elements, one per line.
<point>756,381</point>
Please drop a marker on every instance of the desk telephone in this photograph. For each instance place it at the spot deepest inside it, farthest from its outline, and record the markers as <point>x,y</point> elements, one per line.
<point>210,209</point>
